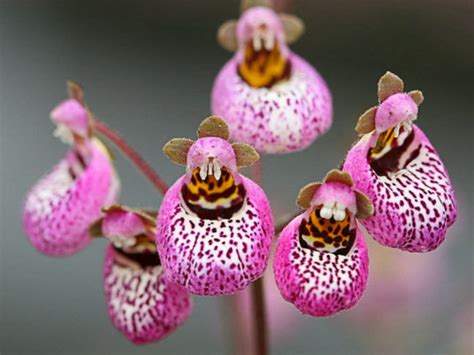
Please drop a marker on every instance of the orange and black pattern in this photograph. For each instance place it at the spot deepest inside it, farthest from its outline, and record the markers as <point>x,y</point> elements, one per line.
<point>327,235</point>
<point>211,198</point>
<point>264,68</point>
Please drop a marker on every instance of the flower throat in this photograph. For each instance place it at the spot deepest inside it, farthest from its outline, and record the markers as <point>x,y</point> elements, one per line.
<point>264,68</point>
<point>327,235</point>
<point>211,198</point>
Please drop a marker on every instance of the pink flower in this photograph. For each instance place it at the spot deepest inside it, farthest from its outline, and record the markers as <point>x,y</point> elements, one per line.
<point>321,262</point>
<point>60,208</point>
<point>270,97</point>
<point>395,164</point>
<point>142,303</point>
<point>215,226</point>
<point>71,117</point>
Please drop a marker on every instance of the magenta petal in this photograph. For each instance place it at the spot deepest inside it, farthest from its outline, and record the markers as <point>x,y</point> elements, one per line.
<point>215,257</point>
<point>72,114</point>
<point>59,209</point>
<point>319,283</point>
<point>142,303</point>
<point>414,206</point>
<point>122,224</point>
<point>287,117</point>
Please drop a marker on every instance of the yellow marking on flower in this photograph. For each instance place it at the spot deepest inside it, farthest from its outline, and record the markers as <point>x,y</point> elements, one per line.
<point>327,235</point>
<point>212,193</point>
<point>263,68</point>
<point>384,142</point>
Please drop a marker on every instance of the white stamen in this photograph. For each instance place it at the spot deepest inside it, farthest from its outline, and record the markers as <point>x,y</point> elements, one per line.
<point>217,170</point>
<point>257,43</point>
<point>64,134</point>
<point>397,130</point>
<point>269,41</point>
<point>327,210</point>
<point>339,212</point>
<point>209,168</point>
<point>203,171</point>
<point>122,241</point>
<point>339,215</point>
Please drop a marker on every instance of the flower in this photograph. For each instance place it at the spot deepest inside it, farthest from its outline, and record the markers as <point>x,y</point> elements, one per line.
<point>60,208</point>
<point>215,226</point>
<point>321,261</point>
<point>142,303</point>
<point>395,164</point>
<point>270,97</point>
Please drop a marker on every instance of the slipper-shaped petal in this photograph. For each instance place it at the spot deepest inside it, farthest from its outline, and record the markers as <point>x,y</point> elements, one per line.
<point>396,165</point>
<point>270,97</point>
<point>215,226</point>
<point>215,256</point>
<point>319,283</point>
<point>60,208</point>
<point>415,204</point>
<point>142,303</point>
<point>285,118</point>
<point>321,260</point>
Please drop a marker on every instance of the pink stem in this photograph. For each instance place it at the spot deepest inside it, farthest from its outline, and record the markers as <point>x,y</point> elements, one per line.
<point>133,155</point>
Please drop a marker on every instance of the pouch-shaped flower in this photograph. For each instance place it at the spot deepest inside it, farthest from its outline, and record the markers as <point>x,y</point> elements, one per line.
<point>60,208</point>
<point>270,97</point>
<point>215,226</point>
<point>395,164</point>
<point>321,261</point>
<point>142,303</point>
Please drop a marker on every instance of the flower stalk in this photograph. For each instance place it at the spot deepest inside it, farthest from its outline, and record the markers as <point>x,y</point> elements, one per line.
<point>259,314</point>
<point>258,292</point>
<point>132,154</point>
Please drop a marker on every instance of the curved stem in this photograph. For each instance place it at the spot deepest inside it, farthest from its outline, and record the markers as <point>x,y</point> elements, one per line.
<point>258,291</point>
<point>132,154</point>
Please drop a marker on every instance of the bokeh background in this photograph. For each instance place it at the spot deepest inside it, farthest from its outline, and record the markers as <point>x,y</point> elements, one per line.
<point>148,68</point>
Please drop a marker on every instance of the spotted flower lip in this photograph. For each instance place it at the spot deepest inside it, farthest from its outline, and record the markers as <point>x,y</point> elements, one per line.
<point>270,97</point>
<point>215,226</point>
<point>396,165</point>
<point>321,259</point>
<point>142,303</point>
<point>60,208</point>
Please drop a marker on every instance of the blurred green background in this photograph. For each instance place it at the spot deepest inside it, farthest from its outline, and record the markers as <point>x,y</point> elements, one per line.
<point>148,68</point>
